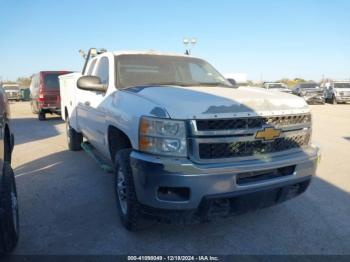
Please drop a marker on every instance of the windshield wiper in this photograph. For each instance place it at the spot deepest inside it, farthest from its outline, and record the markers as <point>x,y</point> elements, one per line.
<point>178,84</point>
<point>159,84</point>
<point>212,84</point>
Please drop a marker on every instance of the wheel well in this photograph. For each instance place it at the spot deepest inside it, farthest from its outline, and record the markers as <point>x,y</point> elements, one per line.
<point>117,140</point>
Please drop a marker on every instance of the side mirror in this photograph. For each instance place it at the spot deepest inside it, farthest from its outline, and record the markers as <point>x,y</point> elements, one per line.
<point>232,81</point>
<point>91,83</point>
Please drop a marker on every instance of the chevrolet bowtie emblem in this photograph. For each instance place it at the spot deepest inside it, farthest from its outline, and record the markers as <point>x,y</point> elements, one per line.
<point>268,134</point>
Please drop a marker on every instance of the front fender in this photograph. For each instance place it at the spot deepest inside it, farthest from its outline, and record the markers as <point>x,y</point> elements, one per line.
<point>124,110</point>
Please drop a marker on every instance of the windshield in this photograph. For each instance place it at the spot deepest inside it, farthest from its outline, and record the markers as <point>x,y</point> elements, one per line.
<point>309,85</point>
<point>342,85</point>
<point>144,70</point>
<point>276,86</point>
<point>11,88</point>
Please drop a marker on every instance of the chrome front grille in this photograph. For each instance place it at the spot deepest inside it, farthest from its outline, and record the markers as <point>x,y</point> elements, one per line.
<point>230,139</point>
<point>345,93</point>
<point>251,122</point>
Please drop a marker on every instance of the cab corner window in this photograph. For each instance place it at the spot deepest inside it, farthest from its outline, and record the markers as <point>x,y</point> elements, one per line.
<point>91,68</point>
<point>103,70</point>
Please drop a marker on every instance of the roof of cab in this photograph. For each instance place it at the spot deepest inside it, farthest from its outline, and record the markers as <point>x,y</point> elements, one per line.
<point>150,52</point>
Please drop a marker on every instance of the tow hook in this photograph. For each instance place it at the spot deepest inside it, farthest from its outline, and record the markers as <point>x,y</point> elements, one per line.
<point>219,207</point>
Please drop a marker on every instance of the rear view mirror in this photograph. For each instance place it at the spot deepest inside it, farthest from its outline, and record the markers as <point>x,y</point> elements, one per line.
<point>91,83</point>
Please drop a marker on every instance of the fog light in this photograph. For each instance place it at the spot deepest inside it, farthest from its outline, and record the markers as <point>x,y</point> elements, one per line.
<point>176,194</point>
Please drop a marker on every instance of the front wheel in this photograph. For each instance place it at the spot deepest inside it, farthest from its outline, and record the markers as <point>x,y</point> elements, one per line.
<point>9,219</point>
<point>74,138</point>
<point>127,203</point>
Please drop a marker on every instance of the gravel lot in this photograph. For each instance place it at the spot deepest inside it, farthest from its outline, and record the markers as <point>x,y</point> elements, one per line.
<point>67,203</point>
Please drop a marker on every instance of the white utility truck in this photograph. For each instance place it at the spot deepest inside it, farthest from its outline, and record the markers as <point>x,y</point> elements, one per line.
<point>184,143</point>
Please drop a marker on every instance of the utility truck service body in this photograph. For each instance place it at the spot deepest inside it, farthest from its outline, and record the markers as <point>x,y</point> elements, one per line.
<point>185,144</point>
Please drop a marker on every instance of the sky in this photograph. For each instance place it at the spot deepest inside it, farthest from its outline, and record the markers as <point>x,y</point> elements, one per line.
<point>267,39</point>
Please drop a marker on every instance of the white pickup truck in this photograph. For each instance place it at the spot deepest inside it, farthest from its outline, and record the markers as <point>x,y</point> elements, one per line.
<point>337,92</point>
<point>185,145</point>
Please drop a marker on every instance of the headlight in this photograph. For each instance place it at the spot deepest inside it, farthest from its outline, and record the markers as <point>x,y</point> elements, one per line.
<point>162,136</point>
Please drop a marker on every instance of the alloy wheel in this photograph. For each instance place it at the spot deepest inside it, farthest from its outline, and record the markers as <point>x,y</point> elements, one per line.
<point>14,208</point>
<point>121,189</point>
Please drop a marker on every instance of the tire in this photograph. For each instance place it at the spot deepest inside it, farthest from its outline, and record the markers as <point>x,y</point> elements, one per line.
<point>129,207</point>
<point>74,138</point>
<point>41,116</point>
<point>8,149</point>
<point>9,220</point>
<point>334,100</point>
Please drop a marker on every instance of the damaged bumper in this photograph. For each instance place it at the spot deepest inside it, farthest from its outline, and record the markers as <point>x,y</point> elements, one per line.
<point>315,99</point>
<point>167,186</point>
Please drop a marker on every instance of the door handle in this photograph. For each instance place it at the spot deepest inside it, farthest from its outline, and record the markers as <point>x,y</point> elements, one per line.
<point>87,103</point>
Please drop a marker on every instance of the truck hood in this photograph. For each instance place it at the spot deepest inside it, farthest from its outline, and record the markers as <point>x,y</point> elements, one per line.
<point>221,102</point>
<point>342,89</point>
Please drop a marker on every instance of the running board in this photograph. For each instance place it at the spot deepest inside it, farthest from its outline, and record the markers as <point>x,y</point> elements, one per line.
<point>91,151</point>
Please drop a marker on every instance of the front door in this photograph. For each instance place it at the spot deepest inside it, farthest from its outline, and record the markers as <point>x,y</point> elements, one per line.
<point>95,120</point>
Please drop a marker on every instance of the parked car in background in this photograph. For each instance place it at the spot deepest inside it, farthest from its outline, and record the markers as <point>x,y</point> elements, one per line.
<point>12,91</point>
<point>9,222</point>
<point>25,93</point>
<point>276,86</point>
<point>311,92</point>
<point>237,79</point>
<point>45,93</point>
<point>337,92</point>
<point>186,145</point>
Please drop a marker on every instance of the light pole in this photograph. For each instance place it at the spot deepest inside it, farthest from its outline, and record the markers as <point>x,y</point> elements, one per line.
<point>189,44</point>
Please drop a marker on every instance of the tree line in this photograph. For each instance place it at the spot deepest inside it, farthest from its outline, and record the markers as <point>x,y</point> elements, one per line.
<point>22,81</point>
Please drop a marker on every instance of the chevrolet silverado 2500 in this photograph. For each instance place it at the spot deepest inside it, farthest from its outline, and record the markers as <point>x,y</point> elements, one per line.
<point>184,143</point>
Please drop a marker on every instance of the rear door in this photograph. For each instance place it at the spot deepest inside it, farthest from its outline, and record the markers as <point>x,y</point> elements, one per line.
<point>83,98</point>
<point>51,88</point>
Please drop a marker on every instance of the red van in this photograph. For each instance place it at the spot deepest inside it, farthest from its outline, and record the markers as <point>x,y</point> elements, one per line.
<point>45,93</point>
